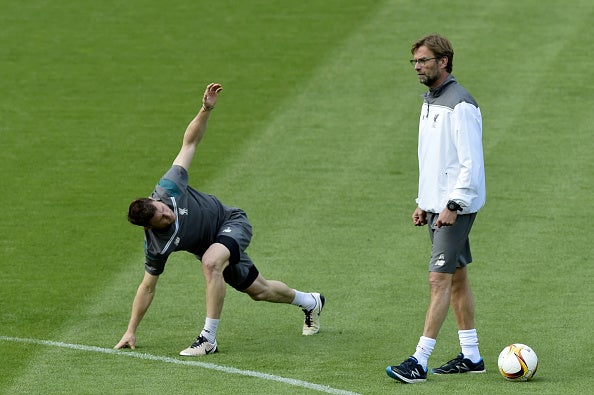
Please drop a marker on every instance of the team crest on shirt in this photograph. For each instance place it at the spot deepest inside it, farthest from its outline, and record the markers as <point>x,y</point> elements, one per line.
<point>435,121</point>
<point>182,211</point>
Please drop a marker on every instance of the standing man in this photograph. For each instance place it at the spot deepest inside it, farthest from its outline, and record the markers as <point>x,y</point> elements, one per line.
<point>179,218</point>
<point>451,192</point>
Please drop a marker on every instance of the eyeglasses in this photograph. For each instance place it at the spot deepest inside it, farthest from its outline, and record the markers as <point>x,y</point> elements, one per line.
<point>420,61</point>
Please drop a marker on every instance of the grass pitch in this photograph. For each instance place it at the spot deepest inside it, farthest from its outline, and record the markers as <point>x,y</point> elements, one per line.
<point>315,137</point>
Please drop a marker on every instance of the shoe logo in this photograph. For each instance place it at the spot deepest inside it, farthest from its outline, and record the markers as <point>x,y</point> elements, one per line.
<point>227,230</point>
<point>183,211</point>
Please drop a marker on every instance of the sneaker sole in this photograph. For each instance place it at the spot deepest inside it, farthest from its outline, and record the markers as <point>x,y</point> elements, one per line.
<point>402,379</point>
<point>468,371</point>
<point>185,353</point>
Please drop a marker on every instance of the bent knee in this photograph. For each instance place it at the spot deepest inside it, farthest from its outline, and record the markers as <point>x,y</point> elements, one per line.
<point>213,266</point>
<point>216,258</point>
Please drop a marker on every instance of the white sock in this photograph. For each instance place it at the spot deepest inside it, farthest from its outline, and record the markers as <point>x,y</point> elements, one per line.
<point>304,300</point>
<point>210,329</point>
<point>469,343</point>
<point>424,350</point>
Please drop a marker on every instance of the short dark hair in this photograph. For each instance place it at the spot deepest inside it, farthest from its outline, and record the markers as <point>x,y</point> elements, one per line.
<point>439,45</point>
<point>141,211</point>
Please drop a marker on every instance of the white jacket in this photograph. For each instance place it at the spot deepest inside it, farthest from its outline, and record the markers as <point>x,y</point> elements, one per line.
<point>451,164</point>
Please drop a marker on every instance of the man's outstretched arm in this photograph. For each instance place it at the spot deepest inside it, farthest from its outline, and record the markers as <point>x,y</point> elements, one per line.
<point>142,301</point>
<point>197,127</point>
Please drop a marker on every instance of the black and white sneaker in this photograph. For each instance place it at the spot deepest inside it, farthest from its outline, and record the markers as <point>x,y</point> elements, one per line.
<point>460,365</point>
<point>311,325</point>
<point>200,347</point>
<point>409,371</point>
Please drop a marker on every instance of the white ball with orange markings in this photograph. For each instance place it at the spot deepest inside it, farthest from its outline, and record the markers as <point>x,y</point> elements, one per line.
<point>517,362</point>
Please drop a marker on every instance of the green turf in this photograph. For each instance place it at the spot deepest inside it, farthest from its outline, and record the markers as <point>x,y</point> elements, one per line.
<point>315,137</point>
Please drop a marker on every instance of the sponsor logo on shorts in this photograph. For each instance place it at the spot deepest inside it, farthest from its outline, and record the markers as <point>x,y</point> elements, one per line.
<point>440,260</point>
<point>227,230</point>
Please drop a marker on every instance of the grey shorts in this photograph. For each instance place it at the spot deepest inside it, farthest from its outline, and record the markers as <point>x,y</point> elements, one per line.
<point>236,234</point>
<point>450,244</point>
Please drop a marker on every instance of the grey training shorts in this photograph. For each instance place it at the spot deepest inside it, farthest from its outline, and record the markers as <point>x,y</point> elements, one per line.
<point>236,234</point>
<point>451,246</point>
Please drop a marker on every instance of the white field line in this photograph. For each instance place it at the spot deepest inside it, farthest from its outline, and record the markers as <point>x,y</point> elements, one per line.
<point>204,365</point>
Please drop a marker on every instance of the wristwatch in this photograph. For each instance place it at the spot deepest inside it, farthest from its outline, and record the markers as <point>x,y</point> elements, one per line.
<point>453,206</point>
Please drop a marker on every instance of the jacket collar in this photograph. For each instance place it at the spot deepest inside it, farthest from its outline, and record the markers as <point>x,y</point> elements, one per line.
<point>437,91</point>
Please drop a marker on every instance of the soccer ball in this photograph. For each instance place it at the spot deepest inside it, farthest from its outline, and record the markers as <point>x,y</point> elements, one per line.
<point>517,362</point>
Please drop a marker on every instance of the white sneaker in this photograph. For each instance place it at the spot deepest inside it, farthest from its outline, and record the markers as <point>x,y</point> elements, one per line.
<point>200,347</point>
<point>311,326</point>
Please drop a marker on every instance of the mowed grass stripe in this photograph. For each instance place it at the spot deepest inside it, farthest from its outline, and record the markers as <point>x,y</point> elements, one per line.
<point>86,324</point>
<point>184,362</point>
<point>522,292</point>
<point>537,135</point>
<point>327,148</point>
